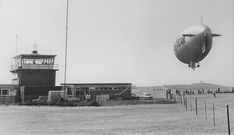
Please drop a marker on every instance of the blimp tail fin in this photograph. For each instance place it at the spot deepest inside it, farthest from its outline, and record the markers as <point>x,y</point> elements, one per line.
<point>215,35</point>
<point>188,35</point>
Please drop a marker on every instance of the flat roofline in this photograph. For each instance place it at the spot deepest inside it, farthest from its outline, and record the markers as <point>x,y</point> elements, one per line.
<point>96,84</point>
<point>7,85</point>
<point>34,56</point>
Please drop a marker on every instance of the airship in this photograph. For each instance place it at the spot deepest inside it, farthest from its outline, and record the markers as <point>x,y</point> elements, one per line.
<point>194,44</point>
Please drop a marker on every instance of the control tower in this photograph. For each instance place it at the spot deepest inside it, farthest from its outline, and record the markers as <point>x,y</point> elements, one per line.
<point>34,70</point>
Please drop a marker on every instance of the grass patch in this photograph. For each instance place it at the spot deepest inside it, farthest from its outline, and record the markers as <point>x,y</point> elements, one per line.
<point>108,103</point>
<point>137,102</point>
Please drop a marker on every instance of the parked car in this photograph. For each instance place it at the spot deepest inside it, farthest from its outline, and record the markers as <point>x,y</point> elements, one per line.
<point>147,96</point>
<point>135,97</point>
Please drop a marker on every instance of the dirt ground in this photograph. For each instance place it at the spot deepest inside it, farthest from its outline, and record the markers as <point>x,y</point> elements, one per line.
<point>152,119</point>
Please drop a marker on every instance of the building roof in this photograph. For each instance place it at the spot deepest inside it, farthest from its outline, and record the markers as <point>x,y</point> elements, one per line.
<point>33,56</point>
<point>96,84</point>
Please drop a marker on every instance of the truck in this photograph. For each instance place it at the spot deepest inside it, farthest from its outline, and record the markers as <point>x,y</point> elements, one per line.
<point>56,96</point>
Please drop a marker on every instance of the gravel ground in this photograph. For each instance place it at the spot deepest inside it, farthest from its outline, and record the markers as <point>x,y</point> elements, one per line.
<point>147,119</point>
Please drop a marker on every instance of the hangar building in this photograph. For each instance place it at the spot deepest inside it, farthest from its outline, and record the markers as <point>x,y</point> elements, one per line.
<point>112,90</point>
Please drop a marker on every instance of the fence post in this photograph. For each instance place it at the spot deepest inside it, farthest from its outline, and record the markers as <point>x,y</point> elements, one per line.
<point>205,110</point>
<point>181,100</point>
<point>186,106</point>
<point>191,106</point>
<point>167,94</point>
<point>213,114</point>
<point>229,131</point>
<point>196,105</point>
<point>184,99</point>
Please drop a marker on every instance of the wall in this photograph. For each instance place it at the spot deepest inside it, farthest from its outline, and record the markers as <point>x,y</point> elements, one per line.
<point>36,77</point>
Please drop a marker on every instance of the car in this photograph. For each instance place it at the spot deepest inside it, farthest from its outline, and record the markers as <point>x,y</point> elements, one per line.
<point>147,96</point>
<point>134,96</point>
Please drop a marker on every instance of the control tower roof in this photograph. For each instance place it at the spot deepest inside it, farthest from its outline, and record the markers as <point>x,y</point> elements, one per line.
<point>34,55</point>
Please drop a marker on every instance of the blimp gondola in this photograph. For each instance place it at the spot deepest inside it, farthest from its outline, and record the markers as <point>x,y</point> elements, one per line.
<point>194,44</point>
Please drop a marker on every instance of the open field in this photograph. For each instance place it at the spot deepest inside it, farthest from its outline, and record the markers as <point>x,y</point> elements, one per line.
<point>111,120</point>
<point>220,102</point>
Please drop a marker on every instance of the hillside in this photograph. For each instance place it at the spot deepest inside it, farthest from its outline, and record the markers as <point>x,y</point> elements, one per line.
<point>188,86</point>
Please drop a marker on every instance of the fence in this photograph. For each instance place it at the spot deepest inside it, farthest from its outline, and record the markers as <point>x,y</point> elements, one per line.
<point>217,114</point>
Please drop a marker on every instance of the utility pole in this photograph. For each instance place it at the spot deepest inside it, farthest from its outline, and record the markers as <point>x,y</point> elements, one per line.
<point>65,70</point>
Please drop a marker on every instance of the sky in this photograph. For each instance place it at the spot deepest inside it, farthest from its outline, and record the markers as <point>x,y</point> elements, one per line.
<point>118,40</point>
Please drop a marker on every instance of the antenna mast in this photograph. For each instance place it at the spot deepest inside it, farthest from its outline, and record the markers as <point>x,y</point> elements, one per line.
<point>16,44</point>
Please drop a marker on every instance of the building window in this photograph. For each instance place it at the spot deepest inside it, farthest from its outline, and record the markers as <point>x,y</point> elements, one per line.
<point>122,88</point>
<point>69,92</point>
<point>84,88</point>
<point>78,93</point>
<point>4,92</point>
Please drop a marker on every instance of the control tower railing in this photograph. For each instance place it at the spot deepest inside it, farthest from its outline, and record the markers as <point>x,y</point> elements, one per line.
<point>34,66</point>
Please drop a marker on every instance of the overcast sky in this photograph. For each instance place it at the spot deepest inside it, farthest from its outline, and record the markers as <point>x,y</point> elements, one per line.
<point>118,40</point>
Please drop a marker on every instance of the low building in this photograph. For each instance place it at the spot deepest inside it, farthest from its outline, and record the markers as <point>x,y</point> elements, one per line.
<point>92,90</point>
<point>8,94</point>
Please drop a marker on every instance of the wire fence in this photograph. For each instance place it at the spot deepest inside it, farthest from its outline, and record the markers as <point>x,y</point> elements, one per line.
<point>220,115</point>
